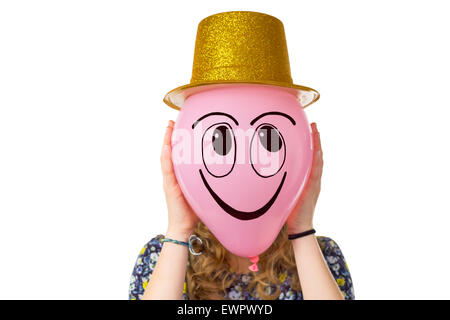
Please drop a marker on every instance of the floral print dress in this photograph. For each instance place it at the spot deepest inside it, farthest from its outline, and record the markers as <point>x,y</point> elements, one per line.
<point>149,254</point>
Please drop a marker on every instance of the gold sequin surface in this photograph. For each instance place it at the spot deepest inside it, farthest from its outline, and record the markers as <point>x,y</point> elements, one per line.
<point>240,47</point>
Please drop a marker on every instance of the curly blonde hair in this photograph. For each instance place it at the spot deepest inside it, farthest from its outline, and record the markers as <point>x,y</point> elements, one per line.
<point>208,275</point>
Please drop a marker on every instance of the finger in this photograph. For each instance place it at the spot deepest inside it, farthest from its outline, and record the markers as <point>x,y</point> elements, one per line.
<point>317,166</point>
<point>316,170</point>
<point>169,178</point>
<point>316,137</point>
<point>168,134</point>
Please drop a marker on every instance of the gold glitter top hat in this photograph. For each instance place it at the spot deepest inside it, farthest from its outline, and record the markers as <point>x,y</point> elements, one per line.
<point>240,47</point>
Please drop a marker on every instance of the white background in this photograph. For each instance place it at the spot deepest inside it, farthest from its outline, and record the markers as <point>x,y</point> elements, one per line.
<point>82,121</point>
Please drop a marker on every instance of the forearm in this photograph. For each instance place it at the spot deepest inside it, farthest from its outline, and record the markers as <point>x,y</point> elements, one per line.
<point>167,280</point>
<point>316,280</point>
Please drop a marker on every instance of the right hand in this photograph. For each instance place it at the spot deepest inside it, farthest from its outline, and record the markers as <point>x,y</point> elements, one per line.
<point>182,219</point>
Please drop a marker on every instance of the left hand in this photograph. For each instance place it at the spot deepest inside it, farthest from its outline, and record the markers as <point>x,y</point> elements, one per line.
<point>301,218</point>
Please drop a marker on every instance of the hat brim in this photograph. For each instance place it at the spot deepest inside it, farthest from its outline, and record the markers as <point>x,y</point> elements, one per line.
<point>176,97</point>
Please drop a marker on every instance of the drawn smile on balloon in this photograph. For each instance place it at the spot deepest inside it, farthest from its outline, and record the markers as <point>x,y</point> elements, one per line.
<point>242,215</point>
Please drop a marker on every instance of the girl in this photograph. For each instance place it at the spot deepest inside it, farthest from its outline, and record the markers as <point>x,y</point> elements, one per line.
<point>309,267</point>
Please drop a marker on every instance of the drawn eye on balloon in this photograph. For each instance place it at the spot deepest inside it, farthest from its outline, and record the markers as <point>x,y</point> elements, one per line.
<point>267,150</point>
<point>219,149</point>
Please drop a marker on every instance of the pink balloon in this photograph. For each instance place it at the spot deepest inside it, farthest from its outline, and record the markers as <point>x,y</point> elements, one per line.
<point>242,154</point>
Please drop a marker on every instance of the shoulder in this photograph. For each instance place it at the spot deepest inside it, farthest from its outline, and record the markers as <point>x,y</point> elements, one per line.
<point>144,266</point>
<point>331,252</point>
<point>148,255</point>
<point>337,264</point>
<point>328,245</point>
<point>153,246</point>
<point>143,269</point>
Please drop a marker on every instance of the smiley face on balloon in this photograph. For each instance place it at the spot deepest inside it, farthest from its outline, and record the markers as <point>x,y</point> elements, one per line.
<point>242,146</point>
<point>242,154</point>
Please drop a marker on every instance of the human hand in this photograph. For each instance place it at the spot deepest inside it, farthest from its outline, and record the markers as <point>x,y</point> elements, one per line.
<point>301,218</point>
<point>182,219</point>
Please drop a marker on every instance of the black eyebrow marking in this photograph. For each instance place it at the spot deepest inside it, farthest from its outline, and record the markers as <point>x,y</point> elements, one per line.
<point>275,113</point>
<point>214,114</point>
